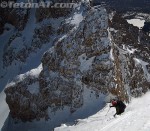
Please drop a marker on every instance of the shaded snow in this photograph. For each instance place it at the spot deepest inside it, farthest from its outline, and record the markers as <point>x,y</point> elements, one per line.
<point>77,16</point>
<point>28,32</point>
<point>85,63</point>
<point>4,38</point>
<point>136,22</point>
<point>135,118</point>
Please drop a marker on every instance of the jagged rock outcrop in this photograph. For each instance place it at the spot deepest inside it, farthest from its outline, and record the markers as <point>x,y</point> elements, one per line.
<point>130,49</point>
<point>21,100</point>
<point>79,58</point>
<point>33,27</point>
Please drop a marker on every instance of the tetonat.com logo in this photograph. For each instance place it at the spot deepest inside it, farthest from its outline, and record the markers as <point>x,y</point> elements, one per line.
<point>40,4</point>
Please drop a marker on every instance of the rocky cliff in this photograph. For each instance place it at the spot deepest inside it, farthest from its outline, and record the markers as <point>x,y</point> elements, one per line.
<point>79,57</point>
<point>130,50</point>
<point>106,56</point>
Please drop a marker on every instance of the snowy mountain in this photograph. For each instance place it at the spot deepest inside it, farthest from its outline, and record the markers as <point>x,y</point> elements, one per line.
<point>54,69</point>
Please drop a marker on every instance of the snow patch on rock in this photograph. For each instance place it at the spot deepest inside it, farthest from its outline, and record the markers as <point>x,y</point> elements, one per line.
<point>136,22</point>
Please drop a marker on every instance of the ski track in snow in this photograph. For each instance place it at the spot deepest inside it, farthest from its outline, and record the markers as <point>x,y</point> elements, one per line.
<point>135,118</point>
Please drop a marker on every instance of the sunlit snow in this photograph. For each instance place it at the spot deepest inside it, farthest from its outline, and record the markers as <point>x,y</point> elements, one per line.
<point>135,118</point>
<point>136,22</point>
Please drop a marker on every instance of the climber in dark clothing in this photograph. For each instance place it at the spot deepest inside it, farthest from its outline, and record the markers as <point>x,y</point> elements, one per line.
<point>119,105</point>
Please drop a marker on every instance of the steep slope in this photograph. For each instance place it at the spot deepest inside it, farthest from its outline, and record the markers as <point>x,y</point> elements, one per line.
<point>135,118</point>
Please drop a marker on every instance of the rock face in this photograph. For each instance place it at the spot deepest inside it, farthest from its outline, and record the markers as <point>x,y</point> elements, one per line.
<point>31,29</point>
<point>81,57</point>
<point>20,100</point>
<point>130,48</point>
<point>104,55</point>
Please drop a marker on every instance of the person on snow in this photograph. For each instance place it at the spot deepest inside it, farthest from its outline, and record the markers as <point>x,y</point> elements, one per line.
<point>119,105</point>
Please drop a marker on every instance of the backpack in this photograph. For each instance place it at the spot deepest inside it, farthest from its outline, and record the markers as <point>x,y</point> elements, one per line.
<point>121,104</point>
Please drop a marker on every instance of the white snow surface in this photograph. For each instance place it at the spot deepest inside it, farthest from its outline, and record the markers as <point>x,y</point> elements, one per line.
<point>33,73</point>
<point>4,110</point>
<point>77,16</point>
<point>136,22</point>
<point>77,19</point>
<point>135,118</point>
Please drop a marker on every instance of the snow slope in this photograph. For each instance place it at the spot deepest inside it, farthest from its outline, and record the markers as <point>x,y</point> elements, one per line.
<point>135,118</point>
